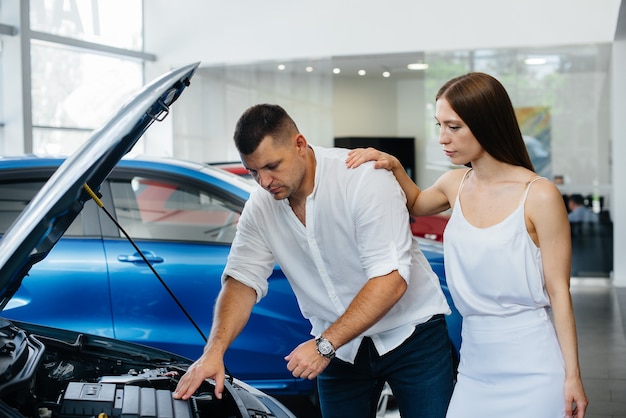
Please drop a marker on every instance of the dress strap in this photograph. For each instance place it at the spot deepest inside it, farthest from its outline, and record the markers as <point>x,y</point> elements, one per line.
<point>458,193</point>
<point>528,188</point>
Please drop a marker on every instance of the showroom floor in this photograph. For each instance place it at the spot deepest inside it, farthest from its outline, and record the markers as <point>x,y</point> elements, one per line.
<point>601,322</point>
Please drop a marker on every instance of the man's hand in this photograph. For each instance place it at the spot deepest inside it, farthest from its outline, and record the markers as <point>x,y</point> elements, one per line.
<point>305,362</point>
<point>232,311</point>
<point>205,367</point>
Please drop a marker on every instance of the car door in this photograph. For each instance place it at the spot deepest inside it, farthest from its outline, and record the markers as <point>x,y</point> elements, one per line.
<point>184,227</point>
<point>69,288</point>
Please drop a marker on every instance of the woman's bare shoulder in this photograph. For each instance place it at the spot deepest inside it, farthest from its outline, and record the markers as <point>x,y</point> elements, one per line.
<point>544,192</point>
<point>544,186</point>
<point>447,185</point>
<point>451,178</point>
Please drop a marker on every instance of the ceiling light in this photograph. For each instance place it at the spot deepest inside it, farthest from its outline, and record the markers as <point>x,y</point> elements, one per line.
<point>386,74</point>
<point>362,72</point>
<point>281,67</point>
<point>336,70</point>
<point>309,69</point>
<point>417,66</point>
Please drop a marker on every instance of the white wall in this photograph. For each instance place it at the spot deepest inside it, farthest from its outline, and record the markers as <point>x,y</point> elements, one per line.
<point>247,31</point>
<point>365,107</point>
<point>205,117</point>
<point>618,96</point>
<point>214,32</point>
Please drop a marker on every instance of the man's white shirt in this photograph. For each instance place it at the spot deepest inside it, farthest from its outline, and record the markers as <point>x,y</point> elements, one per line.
<point>357,228</point>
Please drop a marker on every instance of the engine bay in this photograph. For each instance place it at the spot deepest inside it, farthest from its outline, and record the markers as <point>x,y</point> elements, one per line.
<point>90,377</point>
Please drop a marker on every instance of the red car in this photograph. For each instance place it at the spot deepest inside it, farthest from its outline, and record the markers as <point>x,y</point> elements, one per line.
<point>430,227</point>
<point>234,167</point>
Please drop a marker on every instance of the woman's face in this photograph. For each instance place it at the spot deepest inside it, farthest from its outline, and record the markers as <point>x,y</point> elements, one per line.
<point>458,141</point>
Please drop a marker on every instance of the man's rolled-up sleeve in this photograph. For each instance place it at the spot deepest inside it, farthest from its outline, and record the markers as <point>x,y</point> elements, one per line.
<point>383,231</point>
<point>250,261</point>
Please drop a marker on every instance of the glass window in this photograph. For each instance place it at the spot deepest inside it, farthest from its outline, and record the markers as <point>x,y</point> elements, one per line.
<point>157,209</point>
<point>15,196</point>
<point>85,92</point>
<point>50,141</point>
<point>560,99</point>
<point>117,23</point>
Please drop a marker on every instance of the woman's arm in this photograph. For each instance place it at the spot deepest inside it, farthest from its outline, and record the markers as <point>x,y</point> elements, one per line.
<point>549,226</point>
<point>419,202</point>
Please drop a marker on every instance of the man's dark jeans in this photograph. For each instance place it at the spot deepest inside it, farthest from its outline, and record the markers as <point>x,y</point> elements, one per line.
<point>420,373</point>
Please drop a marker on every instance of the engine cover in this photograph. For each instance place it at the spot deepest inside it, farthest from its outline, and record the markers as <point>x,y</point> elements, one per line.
<point>94,399</point>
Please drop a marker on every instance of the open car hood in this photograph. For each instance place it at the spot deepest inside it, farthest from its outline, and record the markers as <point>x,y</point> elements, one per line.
<point>33,234</point>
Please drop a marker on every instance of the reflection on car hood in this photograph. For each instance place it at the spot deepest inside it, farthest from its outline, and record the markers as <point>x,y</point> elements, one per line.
<point>33,234</point>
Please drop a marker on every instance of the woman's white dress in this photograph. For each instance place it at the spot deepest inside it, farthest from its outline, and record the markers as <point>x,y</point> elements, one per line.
<point>510,363</point>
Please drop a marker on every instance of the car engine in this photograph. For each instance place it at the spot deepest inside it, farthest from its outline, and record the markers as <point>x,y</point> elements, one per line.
<point>91,377</point>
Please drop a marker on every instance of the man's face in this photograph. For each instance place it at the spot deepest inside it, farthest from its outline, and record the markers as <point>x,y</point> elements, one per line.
<point>278,167</point>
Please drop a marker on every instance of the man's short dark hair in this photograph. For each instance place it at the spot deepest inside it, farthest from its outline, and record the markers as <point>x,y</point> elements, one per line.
<point>259,121</point>
<point>577,199</point>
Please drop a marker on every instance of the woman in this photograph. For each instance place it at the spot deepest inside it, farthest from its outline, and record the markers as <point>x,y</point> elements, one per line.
<point>507,255</point>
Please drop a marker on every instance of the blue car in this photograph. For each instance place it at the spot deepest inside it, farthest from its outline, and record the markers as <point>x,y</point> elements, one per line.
<point>182,217</point>
<point>47,371</point>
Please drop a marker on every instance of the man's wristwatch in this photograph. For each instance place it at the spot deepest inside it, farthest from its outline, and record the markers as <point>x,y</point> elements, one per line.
<point>325,347</point>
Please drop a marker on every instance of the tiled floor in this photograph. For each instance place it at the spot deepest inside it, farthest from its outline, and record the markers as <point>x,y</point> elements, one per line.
<point>601,322</point>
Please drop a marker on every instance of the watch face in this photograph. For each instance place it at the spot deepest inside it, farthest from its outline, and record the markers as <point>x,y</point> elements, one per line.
<point>325,347</point>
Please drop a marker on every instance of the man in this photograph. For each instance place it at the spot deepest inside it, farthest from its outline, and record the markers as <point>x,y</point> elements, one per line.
<point>578,212</point>
<point>343,240</point>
